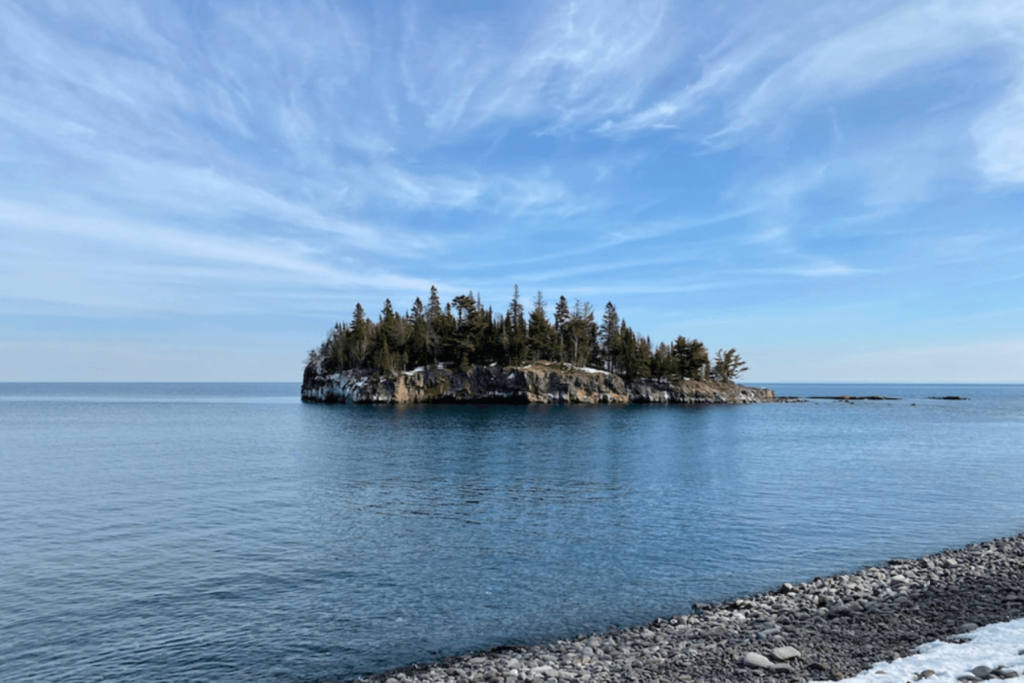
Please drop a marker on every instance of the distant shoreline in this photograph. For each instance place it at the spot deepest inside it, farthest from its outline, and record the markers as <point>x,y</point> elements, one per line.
<point>828,628</point>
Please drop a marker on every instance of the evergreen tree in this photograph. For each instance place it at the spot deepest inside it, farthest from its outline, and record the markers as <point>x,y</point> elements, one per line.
<point>644,357</point>
<point>515,307</point>
<point>434,310</point>
<point>629,356</point>
<point>728,365</point>
<point>579,333</point>
<point>610,341</point>
<point>471,329</point>
<point>662,363</point>
<point>464,306</point>
<point>337,355</point>
<point>562,316</point>
<point>417,310</point>
<point>387,323</point>
<point>434,315</point>
<point>384,361</point>
<point>361,339</point>
<point>517,333</point>
<point>447,328</point>
<point>416,321</point>
<point>489,348</point>
<point>541,334</point>
<point>505,340</point>
<point>691,358</point>
<point>392,329</point>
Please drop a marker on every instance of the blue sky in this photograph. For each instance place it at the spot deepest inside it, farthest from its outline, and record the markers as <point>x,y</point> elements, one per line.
<point>199,190</point>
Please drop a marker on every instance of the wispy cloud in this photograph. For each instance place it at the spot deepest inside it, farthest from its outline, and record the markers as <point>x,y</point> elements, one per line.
<point>110,244</point>
<point>770,79</point>
<point>570,63</point>
<point>912,44</point>
<point>999,135</point>
<point>719,73</point>
<point>817,270</point>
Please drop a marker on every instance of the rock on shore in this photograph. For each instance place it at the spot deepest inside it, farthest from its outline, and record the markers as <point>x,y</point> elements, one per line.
<point>536,383</point>
<point>829,628</point>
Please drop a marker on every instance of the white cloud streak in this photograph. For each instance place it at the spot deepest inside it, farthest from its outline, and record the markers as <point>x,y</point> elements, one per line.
<point>113,244</point>
<point>577,62</point>
<point>999,136</point>
<point>767,80</point>
<point>719,75</point>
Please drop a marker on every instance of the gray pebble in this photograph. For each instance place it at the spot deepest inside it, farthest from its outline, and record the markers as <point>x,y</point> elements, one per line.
<point>785,653</point>
<point>756,660</point>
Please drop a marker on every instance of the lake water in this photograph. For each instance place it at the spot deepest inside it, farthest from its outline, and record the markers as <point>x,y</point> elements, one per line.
<point>229,532</point>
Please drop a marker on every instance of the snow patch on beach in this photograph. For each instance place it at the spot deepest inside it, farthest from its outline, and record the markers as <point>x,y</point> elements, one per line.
<point>992,646</point>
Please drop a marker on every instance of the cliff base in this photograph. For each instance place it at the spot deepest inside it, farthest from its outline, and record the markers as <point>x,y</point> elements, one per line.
<point>539,382</point>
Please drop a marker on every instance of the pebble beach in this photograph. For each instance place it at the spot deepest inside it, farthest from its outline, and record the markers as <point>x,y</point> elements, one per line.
<point>830,628</point>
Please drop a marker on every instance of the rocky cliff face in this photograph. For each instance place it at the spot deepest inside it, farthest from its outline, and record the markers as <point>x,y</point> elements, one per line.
<point>536,383</point>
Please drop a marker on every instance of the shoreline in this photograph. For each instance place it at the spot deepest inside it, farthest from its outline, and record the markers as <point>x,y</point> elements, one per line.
<point>537,382</point>
<point>829,628</point>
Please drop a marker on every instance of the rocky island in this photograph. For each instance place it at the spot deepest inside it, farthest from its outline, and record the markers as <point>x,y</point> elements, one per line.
<point>540,382</point>
<point>463,352</point>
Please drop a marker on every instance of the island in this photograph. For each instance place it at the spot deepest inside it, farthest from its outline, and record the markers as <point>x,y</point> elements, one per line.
<point>463,352</point>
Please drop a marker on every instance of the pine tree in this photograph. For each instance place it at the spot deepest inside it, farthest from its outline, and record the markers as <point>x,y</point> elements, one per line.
<point>417,343</point>
<point>464,306</point>
<point>489,349</point>
<point>384,361</point>
<point>629,353</point>
<point>361,339</point>
<point>562,316</point>
<point>662,363</point>
<point>337,355</point>
<point>472,326</point>
<point>447,329</point>
<point>610,342</point>
<point>434,310</point>
<point>691,358</point>
<point>392,329</point>
<point>728,365</point>
<point>579,333</point>
<point>433,316</point>
<point>505,340</point>
<point>517,333</point>
<point>540,334</point>
<point>644,357</point>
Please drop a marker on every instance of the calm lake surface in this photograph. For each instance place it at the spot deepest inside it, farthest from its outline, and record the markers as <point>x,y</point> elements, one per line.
<point>229,532</point>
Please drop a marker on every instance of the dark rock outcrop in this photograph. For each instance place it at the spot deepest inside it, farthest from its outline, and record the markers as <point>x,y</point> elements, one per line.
<point>535,383</point>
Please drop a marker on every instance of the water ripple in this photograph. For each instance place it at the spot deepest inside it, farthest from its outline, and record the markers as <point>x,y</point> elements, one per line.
<point>227,532</point>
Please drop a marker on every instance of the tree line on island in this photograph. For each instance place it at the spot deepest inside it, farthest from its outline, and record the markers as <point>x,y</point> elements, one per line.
<point>463,333</point>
